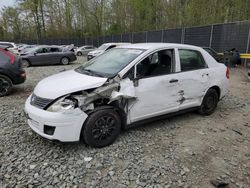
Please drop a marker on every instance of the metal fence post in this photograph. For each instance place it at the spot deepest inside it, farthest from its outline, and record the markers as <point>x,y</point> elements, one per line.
<point>183,36</point>
<point>132,37</point>
<point>211,36</point>
<point>146,33</point>
<point>162,35</point>
<point>247,48</point>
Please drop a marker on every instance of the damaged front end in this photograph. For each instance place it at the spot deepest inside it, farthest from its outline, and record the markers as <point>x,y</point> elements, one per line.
<point>115,93</point>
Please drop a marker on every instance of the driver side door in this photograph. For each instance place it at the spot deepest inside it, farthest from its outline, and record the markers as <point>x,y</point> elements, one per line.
<point>156,86</point>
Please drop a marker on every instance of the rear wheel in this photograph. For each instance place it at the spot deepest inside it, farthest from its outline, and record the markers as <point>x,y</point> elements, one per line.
<point>65,61</point>
<point>79,53</point>
<point>25,63</point>
<point>5,85</point>
<point>209,102</point>
<point>101,128</point>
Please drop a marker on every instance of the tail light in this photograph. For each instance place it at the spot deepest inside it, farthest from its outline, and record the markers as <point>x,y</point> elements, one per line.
<point>12,56</point>
<point>227,73</point>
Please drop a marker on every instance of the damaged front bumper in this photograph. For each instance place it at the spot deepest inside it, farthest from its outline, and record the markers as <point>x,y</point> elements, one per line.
<point>61,126</point>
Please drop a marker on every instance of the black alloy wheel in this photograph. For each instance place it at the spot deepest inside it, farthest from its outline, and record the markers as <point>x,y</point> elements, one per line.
<point>101,128</point>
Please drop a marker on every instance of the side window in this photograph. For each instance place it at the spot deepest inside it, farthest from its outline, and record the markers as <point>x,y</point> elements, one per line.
<point>54,50</point>
<point>40,50</point>
<point>158,63</point>
<point>89,47</point>
<point>191,60</point>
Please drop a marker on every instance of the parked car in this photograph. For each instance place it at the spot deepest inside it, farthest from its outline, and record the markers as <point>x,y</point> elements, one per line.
<point>47,55</point>
<point>11,46</point>
<point>24,48</point>
<point>11,72</point>
<point>248,74</point>
<point>101,49</point>
<point>217,56</point>
<point>123,87</point>
<point>84,50</point>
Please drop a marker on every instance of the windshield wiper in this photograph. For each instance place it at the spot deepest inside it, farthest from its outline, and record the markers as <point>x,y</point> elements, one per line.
<point>92,72</point>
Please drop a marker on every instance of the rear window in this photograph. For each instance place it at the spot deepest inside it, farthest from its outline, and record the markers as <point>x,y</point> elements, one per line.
<point>7,56</point>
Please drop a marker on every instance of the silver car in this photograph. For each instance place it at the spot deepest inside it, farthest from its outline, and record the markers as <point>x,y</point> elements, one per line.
<point>84,50</point>
<point>47,55</point>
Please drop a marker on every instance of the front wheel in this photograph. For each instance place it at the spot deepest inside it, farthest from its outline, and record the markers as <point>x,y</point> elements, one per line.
<point>5,85</point>
<point>65,61</point>
<point>101,128</point>
<point>79,53</point>
<point>209,102</point>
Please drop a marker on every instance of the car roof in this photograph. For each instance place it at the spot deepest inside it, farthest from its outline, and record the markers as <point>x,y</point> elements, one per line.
<point>152,46</point>
<point>116,43</point>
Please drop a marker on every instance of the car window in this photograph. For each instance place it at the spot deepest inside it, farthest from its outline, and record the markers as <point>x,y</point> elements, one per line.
<point>55,49</point>
<point>211,52</point>
<point>88,47</point>
<point>111,62</point>
<point>42,50</point>
<point>3,56</point>
<point>158,63</point>
<point>191,60</point>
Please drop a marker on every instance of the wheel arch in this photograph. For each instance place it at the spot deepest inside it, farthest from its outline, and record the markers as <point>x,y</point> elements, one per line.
<point>217,89</point>
<point>112,106</point>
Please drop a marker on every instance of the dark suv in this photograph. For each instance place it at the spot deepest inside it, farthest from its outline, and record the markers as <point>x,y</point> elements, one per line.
<point>11,72</point>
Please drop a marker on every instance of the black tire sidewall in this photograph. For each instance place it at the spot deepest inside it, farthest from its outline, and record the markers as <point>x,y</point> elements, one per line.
<point>89,125</point>
<point>10,85</point>
<point>210,93</point>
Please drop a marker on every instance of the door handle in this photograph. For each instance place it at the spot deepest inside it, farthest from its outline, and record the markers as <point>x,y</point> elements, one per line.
<point>173,80</point>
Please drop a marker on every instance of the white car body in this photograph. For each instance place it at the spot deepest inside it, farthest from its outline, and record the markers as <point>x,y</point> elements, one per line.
<point>12,46</point>
<point>84,50</point>
<point>154,96</point>
<point>104,47</point>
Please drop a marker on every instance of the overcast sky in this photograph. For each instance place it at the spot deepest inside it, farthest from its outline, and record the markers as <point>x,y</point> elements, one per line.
<point>6,3</point>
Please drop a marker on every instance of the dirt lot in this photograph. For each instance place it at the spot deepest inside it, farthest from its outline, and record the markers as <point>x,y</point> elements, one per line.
<point>183,151</point>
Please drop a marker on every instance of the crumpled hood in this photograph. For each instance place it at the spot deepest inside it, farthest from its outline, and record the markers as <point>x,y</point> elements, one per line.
<point>66,82</point>
<point>96,52</point>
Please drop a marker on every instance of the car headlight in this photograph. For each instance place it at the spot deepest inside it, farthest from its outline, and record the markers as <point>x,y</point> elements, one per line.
<point>63,104</point>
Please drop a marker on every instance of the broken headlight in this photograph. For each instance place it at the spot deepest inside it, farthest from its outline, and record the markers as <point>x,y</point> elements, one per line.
<point>63,104</point>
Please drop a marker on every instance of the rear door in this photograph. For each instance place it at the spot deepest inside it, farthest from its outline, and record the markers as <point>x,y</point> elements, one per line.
<point>193,78</point>
<point>54,55</point>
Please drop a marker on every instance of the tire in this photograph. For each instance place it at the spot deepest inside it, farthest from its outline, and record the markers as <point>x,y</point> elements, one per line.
<point>65,61</point>
<point>25,63</point>
<point>209,102</point>
<point>79,53</point>
<point>101,128</point>
<point>5,85</point>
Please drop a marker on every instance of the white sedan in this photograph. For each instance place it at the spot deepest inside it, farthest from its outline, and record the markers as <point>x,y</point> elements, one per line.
<point>124,87</point>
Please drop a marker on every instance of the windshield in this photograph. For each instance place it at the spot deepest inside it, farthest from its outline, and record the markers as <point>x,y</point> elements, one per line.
<point>110,63</point>
<point>32,50</point>
<point>103,47</point>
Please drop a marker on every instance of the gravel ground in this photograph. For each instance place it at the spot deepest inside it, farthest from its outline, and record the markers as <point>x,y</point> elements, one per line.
<point>183,151</point>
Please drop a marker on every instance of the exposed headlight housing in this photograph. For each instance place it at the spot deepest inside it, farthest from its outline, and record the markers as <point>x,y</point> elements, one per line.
<point>63,104</point>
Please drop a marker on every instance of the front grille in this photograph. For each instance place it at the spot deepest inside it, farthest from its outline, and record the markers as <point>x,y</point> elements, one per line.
<point>40,102</point>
